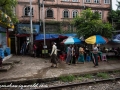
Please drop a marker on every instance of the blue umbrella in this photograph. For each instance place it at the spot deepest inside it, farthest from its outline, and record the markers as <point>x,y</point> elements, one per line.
<point>116,40</point>
<point>71,40</point>
<point>117,37</point>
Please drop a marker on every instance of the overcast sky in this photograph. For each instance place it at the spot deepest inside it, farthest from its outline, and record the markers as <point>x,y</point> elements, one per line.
<point>114,2</point>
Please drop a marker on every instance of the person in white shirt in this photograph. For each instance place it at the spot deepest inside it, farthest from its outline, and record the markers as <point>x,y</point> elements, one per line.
<point>95,55</point>
<point>54,55</point>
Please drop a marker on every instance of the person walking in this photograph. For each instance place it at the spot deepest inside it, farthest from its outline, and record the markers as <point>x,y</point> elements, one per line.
<point>69,54</point>
<point>54,56</point>
<point>95,55</point>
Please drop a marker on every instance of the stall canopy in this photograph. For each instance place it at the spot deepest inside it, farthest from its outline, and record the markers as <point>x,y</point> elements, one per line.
<point>47,36</point>
<point>53,36</point>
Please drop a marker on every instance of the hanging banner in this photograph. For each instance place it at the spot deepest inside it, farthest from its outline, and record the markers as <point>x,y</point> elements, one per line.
<point>25,29</point>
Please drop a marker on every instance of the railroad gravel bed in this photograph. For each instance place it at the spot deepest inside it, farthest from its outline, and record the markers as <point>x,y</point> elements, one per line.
<point>97,86</point>
<point>84,78</point>
<point>111,85</point>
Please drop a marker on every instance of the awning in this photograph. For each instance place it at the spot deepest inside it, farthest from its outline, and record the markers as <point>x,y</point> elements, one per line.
<point>68,35</point>
<point>53,36</point>
<point>47,36</point>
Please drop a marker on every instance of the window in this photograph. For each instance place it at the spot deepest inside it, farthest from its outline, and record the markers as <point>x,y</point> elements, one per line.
<point>107,1</point>
<point>96,1</point>
<point>74,13</point>
<point>66,14</point>
<point>49,13</point>
<point>88,1</point>
<point>27,11</point>
<point>74,0</point>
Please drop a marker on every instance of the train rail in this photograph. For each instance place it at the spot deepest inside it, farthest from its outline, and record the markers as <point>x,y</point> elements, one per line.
<point>78,84</point>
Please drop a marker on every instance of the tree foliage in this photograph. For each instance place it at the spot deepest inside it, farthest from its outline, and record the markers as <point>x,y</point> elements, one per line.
<point>7,6</point>
<point>118,5</point>
<point>88,23</point>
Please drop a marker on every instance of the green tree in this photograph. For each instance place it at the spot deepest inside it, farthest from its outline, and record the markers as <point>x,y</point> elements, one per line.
<point>114,17</point>
<point>89,23</point>
<point>7,6</point>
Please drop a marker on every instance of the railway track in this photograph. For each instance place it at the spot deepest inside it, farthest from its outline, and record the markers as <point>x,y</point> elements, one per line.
<point>58,84</point>
<point>78,84</point>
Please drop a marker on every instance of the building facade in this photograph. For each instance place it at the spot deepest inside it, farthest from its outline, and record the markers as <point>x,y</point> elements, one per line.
<point>62,9</point>
<point>57,12</point>
<point>57,15</point>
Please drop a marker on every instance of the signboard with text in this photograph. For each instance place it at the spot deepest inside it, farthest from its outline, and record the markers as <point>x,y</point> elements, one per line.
<point>25,28</point>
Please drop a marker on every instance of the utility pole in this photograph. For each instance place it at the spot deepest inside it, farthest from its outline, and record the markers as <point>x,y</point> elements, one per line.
<point>44,24</point>
<point>39,13</point>
<point>31,28</point>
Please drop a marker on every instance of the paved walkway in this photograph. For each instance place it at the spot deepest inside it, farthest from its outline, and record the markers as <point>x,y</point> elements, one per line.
<point>30,67</point>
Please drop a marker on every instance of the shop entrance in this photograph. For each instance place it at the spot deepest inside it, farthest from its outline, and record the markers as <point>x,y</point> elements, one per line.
<point>20,42</point>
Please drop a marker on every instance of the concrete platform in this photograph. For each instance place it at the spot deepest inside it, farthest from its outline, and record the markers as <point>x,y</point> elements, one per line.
<point>5,68</point>
<point>7,57</point>
<point>31,68</point>
<point>8,63</point>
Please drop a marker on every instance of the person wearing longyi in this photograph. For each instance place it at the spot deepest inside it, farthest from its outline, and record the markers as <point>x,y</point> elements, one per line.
<point>95,55</point>
<point>54,55</point>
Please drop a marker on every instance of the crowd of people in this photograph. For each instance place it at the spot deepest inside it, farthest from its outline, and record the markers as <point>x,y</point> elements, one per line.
<point>74,53</point>
<point>78,55</point>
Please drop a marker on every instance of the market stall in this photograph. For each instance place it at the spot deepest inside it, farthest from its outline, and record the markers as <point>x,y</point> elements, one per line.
<point>5,24</point>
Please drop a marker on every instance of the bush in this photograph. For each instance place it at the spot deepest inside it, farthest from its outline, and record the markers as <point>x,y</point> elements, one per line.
<point>68,78</point>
